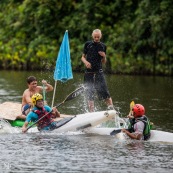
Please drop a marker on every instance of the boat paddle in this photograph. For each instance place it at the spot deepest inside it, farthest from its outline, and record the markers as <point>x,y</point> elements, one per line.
<point>132,104</point>
<point>71,96</point>
<point>114,132</point>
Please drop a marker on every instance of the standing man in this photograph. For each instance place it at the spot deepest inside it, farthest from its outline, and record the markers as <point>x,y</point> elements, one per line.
<point>94,54</point>
<point>29,92</point>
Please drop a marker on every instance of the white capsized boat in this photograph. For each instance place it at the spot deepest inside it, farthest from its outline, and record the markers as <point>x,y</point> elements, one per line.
<point>10,111</point>
<point>69,123</point>
<point>156,135</point>
<point>83,122</point>
<point>86,120</point>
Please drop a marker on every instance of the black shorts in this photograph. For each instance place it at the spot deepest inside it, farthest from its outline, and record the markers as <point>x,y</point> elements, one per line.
<point>96,82</point>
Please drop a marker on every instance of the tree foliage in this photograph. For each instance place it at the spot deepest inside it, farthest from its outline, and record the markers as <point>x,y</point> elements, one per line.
<point>138,34</point>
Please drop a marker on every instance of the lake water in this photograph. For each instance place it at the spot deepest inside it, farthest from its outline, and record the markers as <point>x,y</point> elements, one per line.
<point>50,152</point>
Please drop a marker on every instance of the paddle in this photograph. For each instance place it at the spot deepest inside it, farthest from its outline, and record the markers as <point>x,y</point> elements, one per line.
<point>132,104</point>
<point>114,132</point>
<point>71,96</point>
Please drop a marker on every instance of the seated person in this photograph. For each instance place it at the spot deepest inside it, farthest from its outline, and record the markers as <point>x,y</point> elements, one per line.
<point>29,92</point>
<point>39,110</point>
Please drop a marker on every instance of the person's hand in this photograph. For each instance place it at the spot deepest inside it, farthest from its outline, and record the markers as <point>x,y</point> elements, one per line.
<point>44,82</point>
<point>130,116</point>
<point>88,65</point>
<point>55,112</point>
<point>101,53</point>
<point>54,109</point>
<point>24,129</point>
<point>123,130</point>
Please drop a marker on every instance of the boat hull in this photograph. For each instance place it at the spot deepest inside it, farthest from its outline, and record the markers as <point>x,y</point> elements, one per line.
<point>83,121</point>
<point>78,122</point>
<point>156,135</point>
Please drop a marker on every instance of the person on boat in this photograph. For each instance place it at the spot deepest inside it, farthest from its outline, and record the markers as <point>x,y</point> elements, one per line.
<point>29,92</point>
<point>94,55</point>
<point>139,124</point>
<point>38,111</point>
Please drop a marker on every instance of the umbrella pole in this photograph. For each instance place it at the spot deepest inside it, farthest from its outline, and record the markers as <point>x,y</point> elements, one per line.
<point>54,94</point>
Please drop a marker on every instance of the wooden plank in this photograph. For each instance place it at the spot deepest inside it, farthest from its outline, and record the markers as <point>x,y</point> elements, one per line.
<point>10,110</point>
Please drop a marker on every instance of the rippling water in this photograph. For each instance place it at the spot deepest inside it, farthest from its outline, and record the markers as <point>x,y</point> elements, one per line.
<point>82,153</point>
<point>50,152</point>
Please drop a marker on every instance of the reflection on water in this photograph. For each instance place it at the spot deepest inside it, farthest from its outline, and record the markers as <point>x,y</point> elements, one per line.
<point>82,153</point>
<point>90,153</point>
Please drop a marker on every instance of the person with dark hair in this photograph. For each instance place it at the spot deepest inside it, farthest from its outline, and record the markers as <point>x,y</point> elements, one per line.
<point>94,55</point>
<point>29,92</point>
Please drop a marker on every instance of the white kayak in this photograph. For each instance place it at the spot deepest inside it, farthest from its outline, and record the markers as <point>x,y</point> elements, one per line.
<point>85,122</point>
<point>78,122</point>
<point>82,121</point>
<point>156,135</point>
<point>10,111</point>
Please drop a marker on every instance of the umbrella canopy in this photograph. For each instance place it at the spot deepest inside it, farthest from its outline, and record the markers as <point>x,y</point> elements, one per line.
<point>63,69</point>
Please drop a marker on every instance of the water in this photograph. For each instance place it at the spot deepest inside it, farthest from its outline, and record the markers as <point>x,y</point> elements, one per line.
<point>82,153</point>
<point>50,152</point>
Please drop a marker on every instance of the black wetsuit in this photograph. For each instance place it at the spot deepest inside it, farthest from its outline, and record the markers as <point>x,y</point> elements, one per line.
<point>94,78</point>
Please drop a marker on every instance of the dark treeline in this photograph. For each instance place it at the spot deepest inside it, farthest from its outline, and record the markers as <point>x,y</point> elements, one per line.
<point>138,33</point>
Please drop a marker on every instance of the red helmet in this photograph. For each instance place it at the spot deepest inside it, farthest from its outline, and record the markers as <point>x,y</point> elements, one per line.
<point>138,110</point>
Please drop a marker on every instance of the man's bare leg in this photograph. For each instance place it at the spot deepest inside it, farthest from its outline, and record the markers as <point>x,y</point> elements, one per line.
<point>23,117</point>
<point>91,106</point>
<point>109,103</point>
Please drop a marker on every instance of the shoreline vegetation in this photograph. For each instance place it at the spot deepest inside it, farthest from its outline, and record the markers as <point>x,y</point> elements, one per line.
<point>138,34</point>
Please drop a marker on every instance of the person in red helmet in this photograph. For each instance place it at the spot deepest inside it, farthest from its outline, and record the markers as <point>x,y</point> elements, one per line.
<point>139,128</point>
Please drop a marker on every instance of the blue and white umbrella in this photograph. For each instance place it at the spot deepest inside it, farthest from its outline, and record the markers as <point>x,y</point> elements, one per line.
<point>63,69</point>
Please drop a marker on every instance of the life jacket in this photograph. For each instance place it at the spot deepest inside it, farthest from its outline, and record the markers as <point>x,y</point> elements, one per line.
<point>47,120</point>
<point>147,128</point>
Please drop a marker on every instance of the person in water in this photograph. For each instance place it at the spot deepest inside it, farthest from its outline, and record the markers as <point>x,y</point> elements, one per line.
<point>29,92</point>
<point>139,124</point>
<point>38,111</point>
<point>94,55</point>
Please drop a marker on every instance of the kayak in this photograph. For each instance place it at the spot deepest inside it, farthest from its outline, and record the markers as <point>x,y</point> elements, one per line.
<point>17,123</point>
<point>82,121</point>
<point>87,123</point>
<point>71,123</point>
<point>156,135</point>
<point>10,111</point>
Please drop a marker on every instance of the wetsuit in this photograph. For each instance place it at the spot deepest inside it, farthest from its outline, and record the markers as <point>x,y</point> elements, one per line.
<point>94,78</point>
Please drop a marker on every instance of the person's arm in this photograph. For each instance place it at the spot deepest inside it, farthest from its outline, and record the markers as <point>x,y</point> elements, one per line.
<point>29,118</point>
<point>26,99</point>
<point>104,59</point>
<point>103,54</point>
<point>24,127</point>
<point>87,64</point>
<point>132,135</point>
<point>48,86</point>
